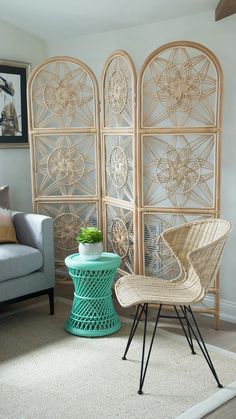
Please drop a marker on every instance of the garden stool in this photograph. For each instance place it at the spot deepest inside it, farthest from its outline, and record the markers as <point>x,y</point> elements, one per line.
<point>92,313</point>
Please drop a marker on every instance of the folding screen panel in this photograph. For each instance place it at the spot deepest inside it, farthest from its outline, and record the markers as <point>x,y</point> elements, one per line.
<point>160,160</point>
<point>179,114</point>
<point>119,157</point>
<point>65,155</point>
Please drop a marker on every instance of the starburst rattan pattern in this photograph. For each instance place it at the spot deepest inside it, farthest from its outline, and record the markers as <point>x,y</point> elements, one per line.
<point>179,170</point>
<point>68,219</point>
<point>66,165</point>
<point>63,96</point>
<point>65,229</point>
<point>118,94</point>
<point>179,89</point>
<point>158,260</point>
<point>120,235</point>
<point>63,107</point>
<point>119,167</point>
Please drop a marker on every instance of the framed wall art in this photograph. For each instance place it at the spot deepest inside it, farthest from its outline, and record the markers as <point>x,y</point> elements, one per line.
<point>13,106</point>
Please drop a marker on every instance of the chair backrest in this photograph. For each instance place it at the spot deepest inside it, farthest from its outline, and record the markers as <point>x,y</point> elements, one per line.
<point>198,246</point>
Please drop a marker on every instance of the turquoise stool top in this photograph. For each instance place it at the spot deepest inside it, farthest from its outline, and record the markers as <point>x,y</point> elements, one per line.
<point>92,313</point>
<point>106,261</point>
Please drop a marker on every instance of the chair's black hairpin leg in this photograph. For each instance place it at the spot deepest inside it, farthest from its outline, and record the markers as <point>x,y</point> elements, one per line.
<point>144,369</point>
<point>137,317</point>
<point>187,335</point>
<point>200,341</point>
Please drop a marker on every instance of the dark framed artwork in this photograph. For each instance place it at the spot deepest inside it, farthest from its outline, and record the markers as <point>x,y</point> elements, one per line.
<point>13,106</point>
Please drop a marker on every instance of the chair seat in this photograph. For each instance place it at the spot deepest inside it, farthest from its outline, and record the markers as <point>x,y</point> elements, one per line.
<point>18,260</point>
<point>136,289</point>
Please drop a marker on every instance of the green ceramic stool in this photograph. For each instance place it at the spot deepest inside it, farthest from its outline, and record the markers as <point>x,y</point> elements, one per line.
<point>92,313</point>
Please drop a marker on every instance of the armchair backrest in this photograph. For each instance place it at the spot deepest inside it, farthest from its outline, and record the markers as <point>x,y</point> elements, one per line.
<point>198,246</point>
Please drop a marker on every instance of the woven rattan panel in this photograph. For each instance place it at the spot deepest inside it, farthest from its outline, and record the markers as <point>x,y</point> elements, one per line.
<point>160,156</point>
<point>178,170</point>
<point>65,153</point>
<point>179,87</point>
<point>119,167</point>
<point>120,236</point>
<point>119,154</point>
<point>68,217</point>
<point>179,114</point>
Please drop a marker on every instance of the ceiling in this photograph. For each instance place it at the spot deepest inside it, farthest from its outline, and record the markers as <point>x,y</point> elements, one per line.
<point>50,19</point>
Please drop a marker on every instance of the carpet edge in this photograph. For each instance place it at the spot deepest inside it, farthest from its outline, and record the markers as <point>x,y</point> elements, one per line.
<point>198,411</point>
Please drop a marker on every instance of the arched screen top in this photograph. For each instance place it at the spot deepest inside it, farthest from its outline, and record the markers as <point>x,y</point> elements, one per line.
<point>118,85</point>
<point>63,94</point>
<point>180,85</point>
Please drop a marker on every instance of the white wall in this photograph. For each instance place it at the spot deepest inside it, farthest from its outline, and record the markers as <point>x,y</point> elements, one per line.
<point>220,37</point>
<point>17,45</point>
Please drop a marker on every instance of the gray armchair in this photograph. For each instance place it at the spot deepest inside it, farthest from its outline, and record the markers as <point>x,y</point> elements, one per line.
<point>27,268</point>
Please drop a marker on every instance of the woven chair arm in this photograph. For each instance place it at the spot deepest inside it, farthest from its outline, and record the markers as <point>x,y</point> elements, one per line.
<point>182,270</point>
<point>206,261</point>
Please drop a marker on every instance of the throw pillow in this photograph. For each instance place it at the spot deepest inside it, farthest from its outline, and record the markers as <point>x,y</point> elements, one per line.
<point>4,197</point>
<point>7,229</point>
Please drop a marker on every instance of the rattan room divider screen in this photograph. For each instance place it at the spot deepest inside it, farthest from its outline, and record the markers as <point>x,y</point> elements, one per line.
<point>119,159</point>
<point>154,164</point>
<point>65,148</point>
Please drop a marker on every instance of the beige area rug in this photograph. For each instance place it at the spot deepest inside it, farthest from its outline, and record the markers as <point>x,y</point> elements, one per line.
<point>48,373</point>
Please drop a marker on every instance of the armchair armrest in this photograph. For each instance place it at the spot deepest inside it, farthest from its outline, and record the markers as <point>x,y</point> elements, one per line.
<point>36,231</point>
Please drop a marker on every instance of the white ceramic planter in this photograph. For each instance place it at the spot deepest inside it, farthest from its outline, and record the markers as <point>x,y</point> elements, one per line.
<point>90,251</point>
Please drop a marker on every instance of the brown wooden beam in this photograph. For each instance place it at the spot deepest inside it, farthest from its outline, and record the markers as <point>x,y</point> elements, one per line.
<point>225,8</point>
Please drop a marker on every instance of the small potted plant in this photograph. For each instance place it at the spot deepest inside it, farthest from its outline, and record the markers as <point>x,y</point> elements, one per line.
<point>90,243</point>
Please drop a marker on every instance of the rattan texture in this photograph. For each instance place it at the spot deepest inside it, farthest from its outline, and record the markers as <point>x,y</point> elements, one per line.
<point>92,313</point>
<point>197,247</point>
<point>65,156</point>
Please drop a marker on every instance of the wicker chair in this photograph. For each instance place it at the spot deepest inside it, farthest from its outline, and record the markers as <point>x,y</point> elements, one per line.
<point>198,247</point>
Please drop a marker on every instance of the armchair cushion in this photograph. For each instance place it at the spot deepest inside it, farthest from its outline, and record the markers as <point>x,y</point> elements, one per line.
<point>4,197</point>
<point>36,231</point>
<point>7,229</point>
<point>18,260</point>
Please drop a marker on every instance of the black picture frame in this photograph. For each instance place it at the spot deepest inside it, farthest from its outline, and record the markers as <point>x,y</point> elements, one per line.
<point>13,104</point>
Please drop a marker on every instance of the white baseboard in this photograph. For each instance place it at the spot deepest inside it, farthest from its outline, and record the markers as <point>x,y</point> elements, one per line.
<point>227,308</point>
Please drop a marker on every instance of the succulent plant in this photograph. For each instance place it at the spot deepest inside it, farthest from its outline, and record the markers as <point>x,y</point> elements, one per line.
<point>89,235</point>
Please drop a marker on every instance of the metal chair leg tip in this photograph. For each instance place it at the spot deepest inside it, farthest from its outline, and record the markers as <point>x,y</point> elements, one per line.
<point>140,392</point>
<point>220,386</point>
<point>124,358</point>
<point>194,353</point>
